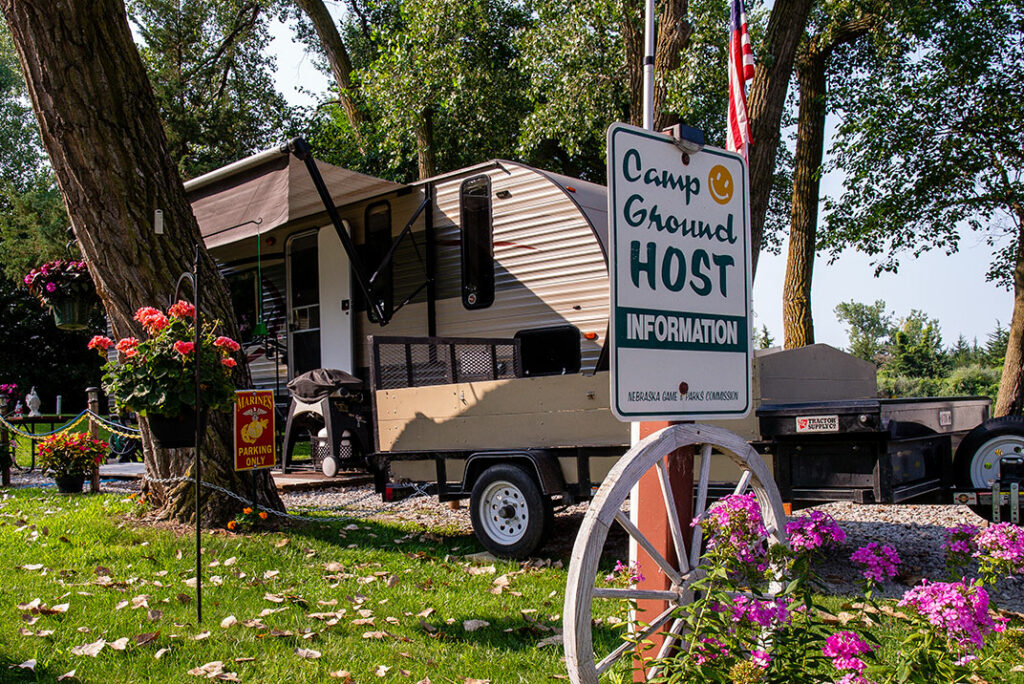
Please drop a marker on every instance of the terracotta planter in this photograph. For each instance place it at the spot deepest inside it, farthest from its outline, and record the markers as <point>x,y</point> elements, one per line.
<point>173,432</point>
<point>70,313</point>
<point>69,484</point>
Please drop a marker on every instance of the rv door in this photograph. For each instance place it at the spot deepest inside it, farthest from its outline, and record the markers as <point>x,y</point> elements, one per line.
<point>303,276</point>
<point>336,301</point>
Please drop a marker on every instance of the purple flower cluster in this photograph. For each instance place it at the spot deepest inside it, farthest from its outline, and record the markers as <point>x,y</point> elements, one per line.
<point>62,277</point>
<point>957,608</point>
<point>879,563</point>
<point>845,649</point>
<point>959,545</point>
<point>709,649</point>
<point>735,528</point>
<point>766,613</point>
<point>632,571</point>
<point>1000,549</point>
<point>815,531</point>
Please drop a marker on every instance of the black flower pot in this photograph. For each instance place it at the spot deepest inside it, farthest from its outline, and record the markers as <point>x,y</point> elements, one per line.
<point>70,313</point>
<point>69,484</point>
<point>173,432</point>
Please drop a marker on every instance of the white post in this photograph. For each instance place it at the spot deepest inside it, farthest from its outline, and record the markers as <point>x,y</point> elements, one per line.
<point>649,66</point>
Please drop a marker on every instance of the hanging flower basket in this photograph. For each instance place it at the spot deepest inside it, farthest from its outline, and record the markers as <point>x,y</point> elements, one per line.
<point>70,313</point>
<point>69,484</point>
<point>173,432</point>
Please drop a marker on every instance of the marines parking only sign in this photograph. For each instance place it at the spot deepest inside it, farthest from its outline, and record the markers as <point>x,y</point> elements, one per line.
<point>255,439</point>
<point>680,286</point>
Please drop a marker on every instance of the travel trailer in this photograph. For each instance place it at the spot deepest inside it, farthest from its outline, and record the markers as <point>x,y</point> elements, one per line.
<point>451,333</point>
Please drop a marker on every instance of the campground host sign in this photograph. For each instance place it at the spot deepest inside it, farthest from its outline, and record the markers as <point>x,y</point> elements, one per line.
<point>680,293</point>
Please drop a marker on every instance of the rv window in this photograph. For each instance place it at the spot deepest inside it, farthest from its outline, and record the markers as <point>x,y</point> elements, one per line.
<point>477,243</point>
<point>378,242</point>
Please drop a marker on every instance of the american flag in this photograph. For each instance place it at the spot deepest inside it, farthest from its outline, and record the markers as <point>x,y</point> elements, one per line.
<point>741,70</point>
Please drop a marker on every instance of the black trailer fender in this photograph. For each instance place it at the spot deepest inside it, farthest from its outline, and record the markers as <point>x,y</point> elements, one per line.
<point>541,463</point>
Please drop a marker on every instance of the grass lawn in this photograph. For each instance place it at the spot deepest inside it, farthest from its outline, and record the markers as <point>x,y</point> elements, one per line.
<point>122,579</point>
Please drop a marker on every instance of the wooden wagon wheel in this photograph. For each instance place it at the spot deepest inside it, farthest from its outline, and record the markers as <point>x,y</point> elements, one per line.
<point>586,667</point>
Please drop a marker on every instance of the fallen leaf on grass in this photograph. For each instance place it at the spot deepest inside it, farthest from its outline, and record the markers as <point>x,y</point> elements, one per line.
<point>229,621</point>
<point>474,625</point>
<point>555,640</point>
<point>382,671</point>
<point>161,653</point>
<point>230,561</point>
<point>201,636</point>
<point>425,613</point>
<point>27,665</point>
<point>344,675</point>
<point>270,611</point>
<point>32,567</point>
<point>147,638</point>
<point>271,574</point>
<point>67,675</point>
<point>425,680</point>
<point>470,680</point>
<point>275,598</point>
<point>307,653</point>
<point>282,543</point>
<point>375,635</point>
<point>119,645</point>
<point>155,615</point>
<point>91,650</point>
<point>209,670</point>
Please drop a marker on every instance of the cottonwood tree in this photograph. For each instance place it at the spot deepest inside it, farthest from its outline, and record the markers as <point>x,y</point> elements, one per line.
<point>838,24</point>
<point>932,144</point>
<point>99,125</point>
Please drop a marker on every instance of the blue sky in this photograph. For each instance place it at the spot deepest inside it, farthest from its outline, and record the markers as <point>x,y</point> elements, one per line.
<point>950,288</point>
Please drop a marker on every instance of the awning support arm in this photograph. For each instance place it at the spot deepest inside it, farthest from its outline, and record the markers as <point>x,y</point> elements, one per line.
<point>302,151</point>
<point>401,236</point>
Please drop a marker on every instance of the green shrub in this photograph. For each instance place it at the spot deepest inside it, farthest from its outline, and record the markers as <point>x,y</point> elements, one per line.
<point>973,380</point>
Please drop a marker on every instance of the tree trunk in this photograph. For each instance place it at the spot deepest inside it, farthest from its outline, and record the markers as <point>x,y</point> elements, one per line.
<point>100,127</point>
<point>341,64</point>
<point>425,144</point>
<point>1010,400</point>
<point>767,99</point>
<point>797,322</point>
<point>673,34</point>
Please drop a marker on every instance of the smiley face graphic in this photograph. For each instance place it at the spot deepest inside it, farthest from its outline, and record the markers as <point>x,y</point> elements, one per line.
<point>720,184</point>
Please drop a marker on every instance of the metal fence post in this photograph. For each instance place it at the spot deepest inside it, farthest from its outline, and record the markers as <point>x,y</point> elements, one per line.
<point>93,395</point>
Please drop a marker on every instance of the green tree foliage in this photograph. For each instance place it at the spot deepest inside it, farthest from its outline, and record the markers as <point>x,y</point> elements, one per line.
<point>764,338</point>
<point>868,327</point>
<point>212,74</point>
<point>916,347</point>
<point>33,228</point>
<point>21,158</point>
<point>995,346</point>
<point>443,78</point>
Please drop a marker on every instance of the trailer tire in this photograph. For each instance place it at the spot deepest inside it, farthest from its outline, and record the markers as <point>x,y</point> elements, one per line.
<point>980,451</point>
<point>508,511</point>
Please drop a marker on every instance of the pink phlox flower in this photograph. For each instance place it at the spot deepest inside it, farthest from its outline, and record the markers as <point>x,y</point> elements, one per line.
<point>815,531</point>
<point>1001,545</point>
<point>766,613</point>
<point>734,525</point>
<point>844,648</point>
<point>226,343</point>
<point>879,562</point>
<point>958,609</point>
<point>761,659</point>
<point>184,348</point>
<point>709,649</point>
<point>51,287</point>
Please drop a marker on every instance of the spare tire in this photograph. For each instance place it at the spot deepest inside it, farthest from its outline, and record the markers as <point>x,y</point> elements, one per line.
<point>976,462</point>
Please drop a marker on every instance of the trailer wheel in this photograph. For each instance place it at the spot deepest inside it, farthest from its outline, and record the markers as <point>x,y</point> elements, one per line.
<point>508,511</point>
<point>977,458</point>
<point>592,652</point>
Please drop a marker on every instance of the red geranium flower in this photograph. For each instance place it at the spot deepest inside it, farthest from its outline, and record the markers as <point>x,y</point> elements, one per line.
<point>184,348</point>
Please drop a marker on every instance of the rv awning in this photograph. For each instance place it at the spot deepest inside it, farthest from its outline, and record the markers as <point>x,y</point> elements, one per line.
<point>267,190</point>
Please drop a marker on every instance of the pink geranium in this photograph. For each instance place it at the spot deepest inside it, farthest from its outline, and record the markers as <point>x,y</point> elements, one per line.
<point>184,348</point>
<point>100,343</point>
<point>227,343</point>
<point>182,309</point>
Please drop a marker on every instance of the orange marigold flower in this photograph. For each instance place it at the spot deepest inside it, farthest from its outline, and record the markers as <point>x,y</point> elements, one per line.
<point>232,525</point>
<point>263,515</point>
<point>246,510</point>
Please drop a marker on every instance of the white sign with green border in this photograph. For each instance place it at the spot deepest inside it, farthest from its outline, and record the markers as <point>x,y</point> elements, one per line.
<point>679,254</point>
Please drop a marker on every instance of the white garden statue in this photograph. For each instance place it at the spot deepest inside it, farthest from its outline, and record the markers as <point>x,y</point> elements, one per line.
<point>33,402</point>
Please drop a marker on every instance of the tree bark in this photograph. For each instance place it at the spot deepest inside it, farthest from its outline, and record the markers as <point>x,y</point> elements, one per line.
<point>341,64</point>
<point>1010,400</point>
<point>673,35</point>
<point>425,144</point>
<point>765,103</point>
<point>798,325</point>
<point>99,124</point>
<point>811,69</point>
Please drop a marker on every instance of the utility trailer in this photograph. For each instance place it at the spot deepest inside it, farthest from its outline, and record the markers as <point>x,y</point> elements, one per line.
<point>492,383</point>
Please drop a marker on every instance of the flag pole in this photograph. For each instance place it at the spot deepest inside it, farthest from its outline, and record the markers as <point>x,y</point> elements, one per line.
<point>649,66</point>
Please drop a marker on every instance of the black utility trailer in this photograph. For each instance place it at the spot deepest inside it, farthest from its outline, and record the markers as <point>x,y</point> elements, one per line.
<point>926,450</point>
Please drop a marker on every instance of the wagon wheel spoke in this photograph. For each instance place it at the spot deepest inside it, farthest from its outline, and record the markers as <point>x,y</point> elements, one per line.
<point>743,484</point>
<point>626,646</point>
<point>643,541</point>
<point>673,516</point>
<point>701,504</point>
<point>634,594</point>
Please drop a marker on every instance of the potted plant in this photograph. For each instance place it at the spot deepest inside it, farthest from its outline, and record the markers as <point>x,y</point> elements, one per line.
<point>7,390</point>
<point>66,288</point>
<point>155,377</point>
<point>71,456</point>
